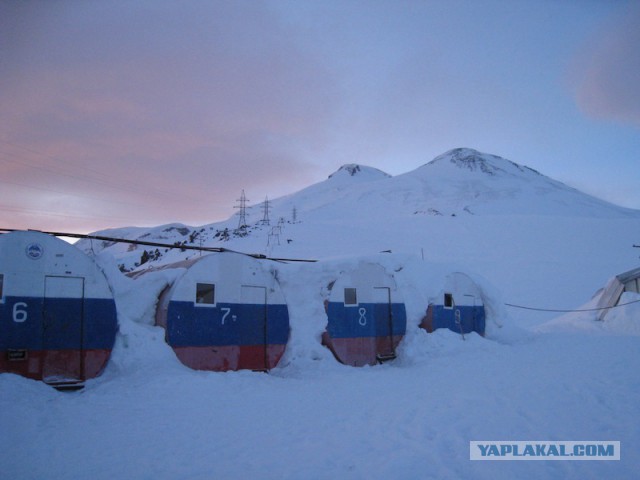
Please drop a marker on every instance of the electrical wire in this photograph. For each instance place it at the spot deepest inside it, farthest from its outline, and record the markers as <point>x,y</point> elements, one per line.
<point>263,257</point>
<point>179,246</point>
<point>569,311</point>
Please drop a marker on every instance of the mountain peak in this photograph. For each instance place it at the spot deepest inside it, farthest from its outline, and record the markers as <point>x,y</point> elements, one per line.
<point>475,161</point>
<point>360,171</point>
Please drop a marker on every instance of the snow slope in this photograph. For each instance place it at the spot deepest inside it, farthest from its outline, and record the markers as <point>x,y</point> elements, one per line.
<point>524,238</point>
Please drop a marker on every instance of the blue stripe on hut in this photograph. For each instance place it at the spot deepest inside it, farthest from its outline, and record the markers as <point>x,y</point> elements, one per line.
<point>366,316</point>
<point>459,307</point>
<point>226,311</point>
<point>58,317</point>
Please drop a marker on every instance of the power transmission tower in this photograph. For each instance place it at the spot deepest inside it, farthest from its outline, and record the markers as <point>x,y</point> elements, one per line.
<point>274,236</point>
<point>265,208</point>
<point>294,215</point>
<point>242,213</point>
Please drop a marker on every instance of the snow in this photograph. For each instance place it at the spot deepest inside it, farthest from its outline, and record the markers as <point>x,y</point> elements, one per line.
<point>535,376</point>
<point>625,319</point>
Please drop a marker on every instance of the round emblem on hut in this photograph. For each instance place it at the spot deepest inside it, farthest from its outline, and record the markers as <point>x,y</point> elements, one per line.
<point>34,251</point>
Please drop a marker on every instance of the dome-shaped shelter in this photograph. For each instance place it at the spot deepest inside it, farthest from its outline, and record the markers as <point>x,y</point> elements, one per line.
<point>366,316</point>
<point>57,313</point>
<point>459,307</point>
<point>225,312</point>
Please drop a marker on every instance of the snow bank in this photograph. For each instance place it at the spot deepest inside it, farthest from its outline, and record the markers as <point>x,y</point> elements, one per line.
<point>624,319</point>
<point>139,343</point>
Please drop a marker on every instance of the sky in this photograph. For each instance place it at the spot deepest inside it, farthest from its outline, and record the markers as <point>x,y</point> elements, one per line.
<point>118,113</point>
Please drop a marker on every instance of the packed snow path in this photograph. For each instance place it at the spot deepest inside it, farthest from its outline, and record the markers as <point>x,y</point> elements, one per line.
<point>411,418</point>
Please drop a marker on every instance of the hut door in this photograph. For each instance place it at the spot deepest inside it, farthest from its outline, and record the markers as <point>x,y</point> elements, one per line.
<point>62,329</point>
<point>472,324</point>
<point>384,322</point>
<point>254,300</point>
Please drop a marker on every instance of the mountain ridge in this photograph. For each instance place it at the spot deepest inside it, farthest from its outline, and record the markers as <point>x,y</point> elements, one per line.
<point>458,184</point>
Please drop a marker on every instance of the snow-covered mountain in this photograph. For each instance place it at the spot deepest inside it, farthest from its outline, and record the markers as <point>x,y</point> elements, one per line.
<point>458,182</point>
<point>357,199</point>
<point>467,180</point>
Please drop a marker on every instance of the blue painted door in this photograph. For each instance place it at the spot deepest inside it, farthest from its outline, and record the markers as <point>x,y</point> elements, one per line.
<point>254,301</point>
<point>384,322</point>
<point>62,329</point>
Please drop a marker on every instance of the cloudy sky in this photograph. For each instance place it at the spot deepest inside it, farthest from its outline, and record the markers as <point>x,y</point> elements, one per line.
<point>117,113</point>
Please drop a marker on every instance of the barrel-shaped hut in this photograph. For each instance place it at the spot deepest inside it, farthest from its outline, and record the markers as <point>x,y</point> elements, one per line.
<point>226,311</point>
<point>459,307</point>
<point>366,316</point>
<point>58,319</point>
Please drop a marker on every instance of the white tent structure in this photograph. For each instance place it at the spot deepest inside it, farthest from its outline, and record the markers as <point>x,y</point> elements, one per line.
<point>613,290</point>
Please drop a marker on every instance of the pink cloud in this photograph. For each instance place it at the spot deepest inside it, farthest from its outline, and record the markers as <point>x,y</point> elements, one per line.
<point>607,74</point>
<point>165,123</point>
